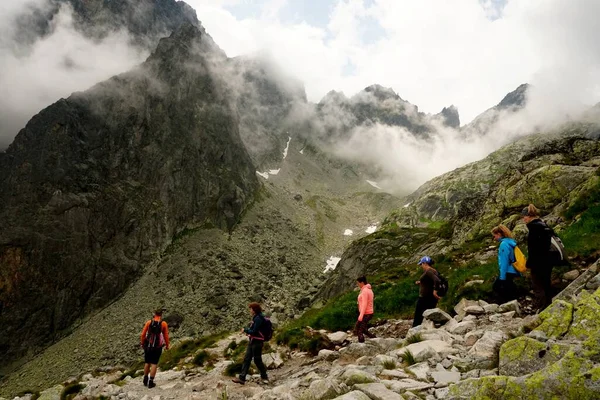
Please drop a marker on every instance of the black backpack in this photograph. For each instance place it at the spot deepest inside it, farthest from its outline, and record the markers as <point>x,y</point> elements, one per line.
<point>153,335</point>
<point>442,286</point>
<point>557,254</point>
<point>266,329</point>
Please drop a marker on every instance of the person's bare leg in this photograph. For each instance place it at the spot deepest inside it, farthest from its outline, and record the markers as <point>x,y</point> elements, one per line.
<point>146,370</point>
<point>153,371</point>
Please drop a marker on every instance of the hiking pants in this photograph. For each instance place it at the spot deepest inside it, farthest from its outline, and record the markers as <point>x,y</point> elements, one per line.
<point>506,290</point>
<point>254,352</point>
<point>423,304</point>
<point>541,282</point>
<point>362,328</point>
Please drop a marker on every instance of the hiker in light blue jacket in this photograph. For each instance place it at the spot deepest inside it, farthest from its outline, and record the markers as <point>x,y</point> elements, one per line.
<point>504,286</point>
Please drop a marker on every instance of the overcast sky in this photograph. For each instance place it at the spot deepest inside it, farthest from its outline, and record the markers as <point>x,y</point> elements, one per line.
<point>433,53</point>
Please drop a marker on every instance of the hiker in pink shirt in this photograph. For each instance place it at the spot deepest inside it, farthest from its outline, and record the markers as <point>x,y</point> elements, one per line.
<point>365,309</point>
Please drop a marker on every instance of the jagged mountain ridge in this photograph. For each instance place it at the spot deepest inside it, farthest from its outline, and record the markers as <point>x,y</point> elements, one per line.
<point>145,20</point>
<point>97,184</point>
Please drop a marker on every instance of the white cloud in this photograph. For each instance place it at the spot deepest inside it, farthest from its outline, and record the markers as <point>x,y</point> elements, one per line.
<point>53,67</point>
<point>433,53</point>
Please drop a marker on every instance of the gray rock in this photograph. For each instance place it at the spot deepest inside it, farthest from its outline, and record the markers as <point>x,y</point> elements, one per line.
<point>459,308</point>
<point>488,345</point>
<point>393,374</point>
<point>357,350</point>
<point>437,334</point>
<point>384,344</point>
<point>450,325</point>
<point>378,391</point>
<point>445,377</point>
<point>571,275</point>
<point>437,315</point>
<point>463,327</point>
<point>510,306</point>
<point>420,370</point>
<point>406,384</point>
<point>353,395</point>
<point>593,283</point>
<point>441,393</point>
<point>425,350</point>
<point>338,337</point>
<point>272,360</point>
<point>491,308</point>
<point>328,355</point>
<point>323,389</point>
<point>352,376</point>
<point>474,310</point>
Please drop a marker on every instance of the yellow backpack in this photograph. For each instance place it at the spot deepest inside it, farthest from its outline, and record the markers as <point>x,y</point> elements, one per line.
<point>520,260</point>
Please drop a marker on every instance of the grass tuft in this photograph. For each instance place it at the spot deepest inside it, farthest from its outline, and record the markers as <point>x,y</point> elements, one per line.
<point>416,338</point>
<point>389,364</point>
<point>408,358</point>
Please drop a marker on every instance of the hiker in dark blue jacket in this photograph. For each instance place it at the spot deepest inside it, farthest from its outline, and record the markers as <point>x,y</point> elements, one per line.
<point>255,346</point>
<point>504,286</point>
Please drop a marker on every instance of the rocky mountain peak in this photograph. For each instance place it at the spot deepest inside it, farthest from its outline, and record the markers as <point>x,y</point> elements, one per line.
<point>450,116</point>
<point>517,98</point>
<point>334,97</point>
<point>382,93</point>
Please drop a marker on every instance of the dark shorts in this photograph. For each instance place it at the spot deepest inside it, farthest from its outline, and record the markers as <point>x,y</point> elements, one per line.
<point>151,356</point>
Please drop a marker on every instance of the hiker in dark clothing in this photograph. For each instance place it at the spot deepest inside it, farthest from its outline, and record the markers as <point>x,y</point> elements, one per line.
<point>428,296</point>
<point>505,288</point>
<point>255,346</point>
<point>538,260</point>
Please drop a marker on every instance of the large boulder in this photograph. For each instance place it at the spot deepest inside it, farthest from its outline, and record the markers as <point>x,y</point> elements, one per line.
<point>523,355</point>
<point>556,319</point>
<point>569,378</point>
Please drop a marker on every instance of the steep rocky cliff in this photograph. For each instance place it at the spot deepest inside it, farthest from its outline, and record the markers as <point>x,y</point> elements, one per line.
<point>97,184</point>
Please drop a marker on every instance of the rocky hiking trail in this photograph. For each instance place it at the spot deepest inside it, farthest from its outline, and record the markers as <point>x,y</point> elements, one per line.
<point>486,351</point>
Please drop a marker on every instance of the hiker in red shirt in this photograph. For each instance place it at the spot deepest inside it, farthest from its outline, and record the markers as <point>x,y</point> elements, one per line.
<point>365,309</point>
<point>155,336</point>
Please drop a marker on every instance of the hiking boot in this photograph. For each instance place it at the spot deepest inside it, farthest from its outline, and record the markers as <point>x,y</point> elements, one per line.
<point>151,384</point>
<point>264,381</point>
<point>238,380</point>
<point>145,380</point>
